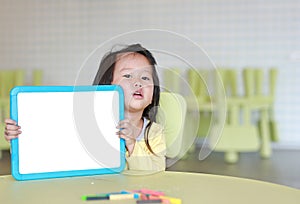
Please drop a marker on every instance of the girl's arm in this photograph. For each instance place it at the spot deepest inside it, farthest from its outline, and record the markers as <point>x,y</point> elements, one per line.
<point>128,132</point>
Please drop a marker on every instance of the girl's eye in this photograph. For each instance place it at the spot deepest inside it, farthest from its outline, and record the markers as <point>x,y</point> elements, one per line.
<point>127,76</point>
<point>146,78</point>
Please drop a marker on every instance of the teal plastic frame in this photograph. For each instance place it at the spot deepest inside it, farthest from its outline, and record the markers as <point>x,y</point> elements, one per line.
<point>58,174</point>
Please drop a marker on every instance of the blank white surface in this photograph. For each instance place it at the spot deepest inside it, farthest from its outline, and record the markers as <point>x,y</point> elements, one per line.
<point>50,140</point>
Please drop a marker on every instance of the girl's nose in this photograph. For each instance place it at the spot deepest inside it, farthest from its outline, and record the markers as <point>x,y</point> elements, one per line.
<point>137,84</point>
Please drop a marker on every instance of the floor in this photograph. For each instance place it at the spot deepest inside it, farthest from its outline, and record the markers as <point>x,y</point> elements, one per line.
<point>282,168</point>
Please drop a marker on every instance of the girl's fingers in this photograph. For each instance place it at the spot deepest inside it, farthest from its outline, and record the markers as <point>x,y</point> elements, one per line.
<point>12,127</point>
<point>124,137</point>
<point>9,121</point>
<point>12,132</point>
<point>8,138</point>
<point>9,135</point>
<point>123,124</point>
<point>128,140</point>
<point>126,132</point>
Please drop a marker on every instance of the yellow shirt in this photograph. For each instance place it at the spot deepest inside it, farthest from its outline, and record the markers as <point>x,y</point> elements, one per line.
<point>142,159</point>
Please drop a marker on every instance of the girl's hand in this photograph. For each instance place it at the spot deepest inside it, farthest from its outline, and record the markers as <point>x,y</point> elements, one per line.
<point>12,130</point>
<point>129,133</point>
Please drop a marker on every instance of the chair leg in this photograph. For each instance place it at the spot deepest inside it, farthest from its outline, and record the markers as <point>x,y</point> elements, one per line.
<point>273,131</point>
<point>265,151</point>
<point>273,126</point>
<point>231,157</point>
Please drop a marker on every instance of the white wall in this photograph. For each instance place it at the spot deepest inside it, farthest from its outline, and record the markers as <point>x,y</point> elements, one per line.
<point>58,36</point>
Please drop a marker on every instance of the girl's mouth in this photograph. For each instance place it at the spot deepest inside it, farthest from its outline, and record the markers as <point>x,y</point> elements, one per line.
<point>138,94</point>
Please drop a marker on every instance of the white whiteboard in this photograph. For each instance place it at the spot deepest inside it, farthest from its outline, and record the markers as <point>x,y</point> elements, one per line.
<point>67,131</point>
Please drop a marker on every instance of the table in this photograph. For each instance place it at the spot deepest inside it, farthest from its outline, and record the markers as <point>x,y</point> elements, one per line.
<point>192,188</point>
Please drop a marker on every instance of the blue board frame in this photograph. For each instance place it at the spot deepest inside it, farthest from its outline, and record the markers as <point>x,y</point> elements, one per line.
<point>59,174</point>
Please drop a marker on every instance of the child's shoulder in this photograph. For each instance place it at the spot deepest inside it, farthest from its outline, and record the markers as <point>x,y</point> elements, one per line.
<point>157,126</point>
<point>155,129</point>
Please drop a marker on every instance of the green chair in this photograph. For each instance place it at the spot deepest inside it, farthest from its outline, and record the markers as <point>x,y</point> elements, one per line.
<point>199,99</point>
<point>262,103</point>
<point>171,115</point>
<point>237,134</point>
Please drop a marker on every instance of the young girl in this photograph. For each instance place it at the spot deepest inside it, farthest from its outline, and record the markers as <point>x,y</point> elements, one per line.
<point>133,68</point>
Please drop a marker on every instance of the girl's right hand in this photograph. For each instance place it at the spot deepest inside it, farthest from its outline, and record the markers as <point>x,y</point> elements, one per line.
<point>12,130</point>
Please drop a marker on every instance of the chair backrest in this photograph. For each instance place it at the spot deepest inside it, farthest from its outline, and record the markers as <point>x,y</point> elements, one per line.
<point>10,79</point>
<point>273,74</point>
<point>253,82</point>
<point>198,79</point>
<point>229,80</point>
<point>172,80</point>
<point>37,77</point>
<point>171,115</point>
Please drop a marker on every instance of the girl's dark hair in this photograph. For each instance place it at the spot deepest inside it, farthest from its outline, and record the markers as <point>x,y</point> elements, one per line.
<point>105,73</point>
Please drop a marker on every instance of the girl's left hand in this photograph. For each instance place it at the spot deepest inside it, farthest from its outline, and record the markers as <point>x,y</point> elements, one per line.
<point>128,132</point>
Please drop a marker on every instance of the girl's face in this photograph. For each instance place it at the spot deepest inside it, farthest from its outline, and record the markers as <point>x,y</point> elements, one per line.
<point>134,74</point>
